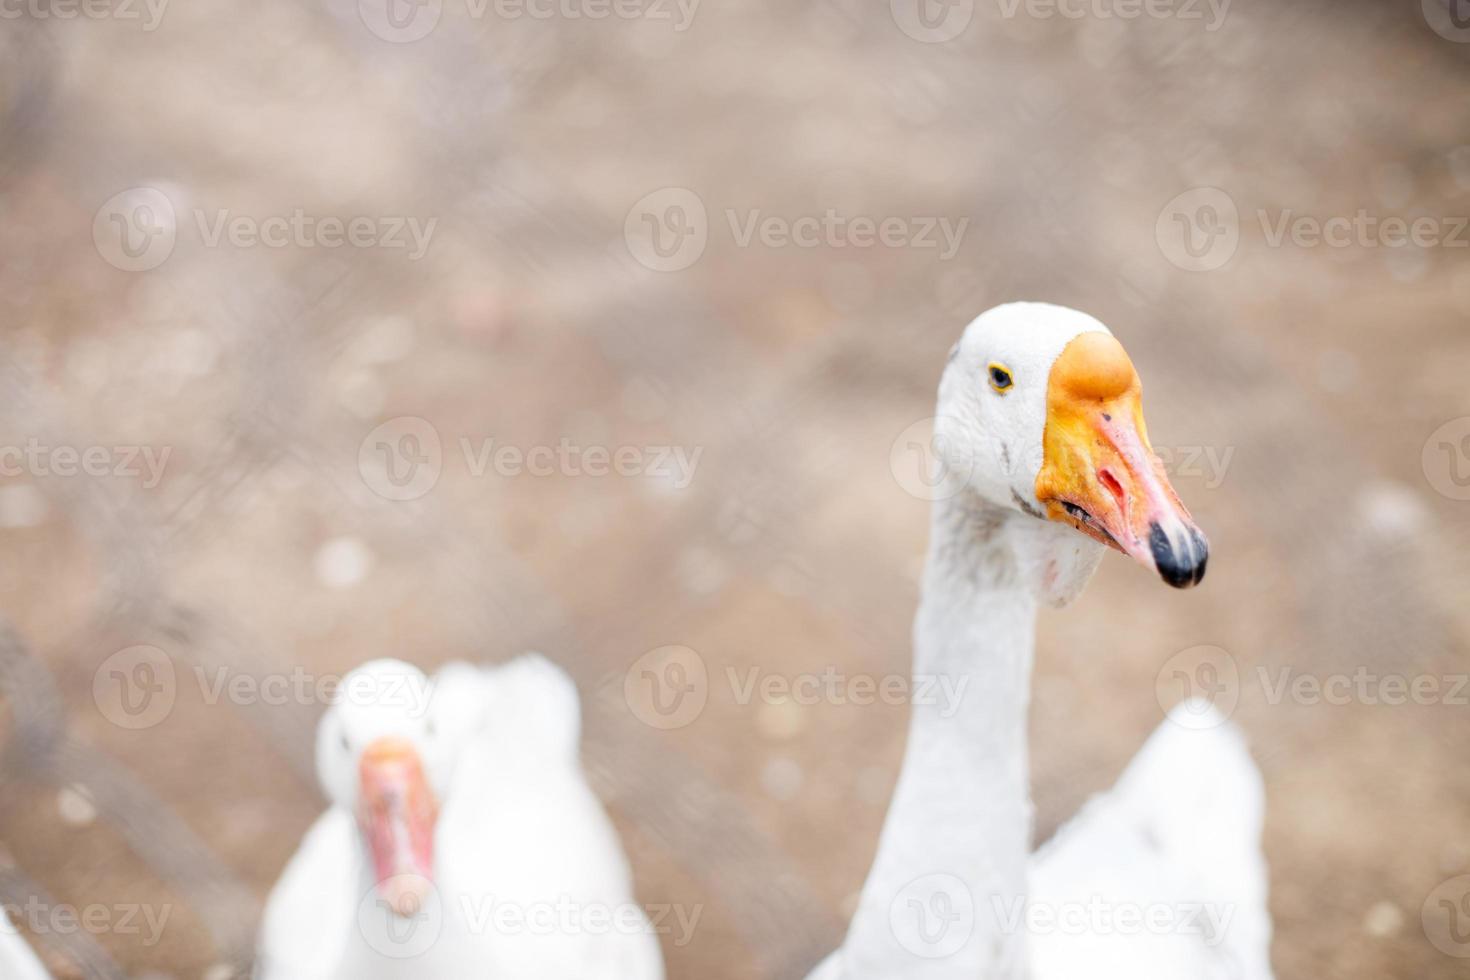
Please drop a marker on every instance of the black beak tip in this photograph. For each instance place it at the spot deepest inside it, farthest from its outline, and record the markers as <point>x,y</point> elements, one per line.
<point>1182,568</point>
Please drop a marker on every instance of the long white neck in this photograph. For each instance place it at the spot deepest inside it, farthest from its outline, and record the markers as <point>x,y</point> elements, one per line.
<point>945,889</point>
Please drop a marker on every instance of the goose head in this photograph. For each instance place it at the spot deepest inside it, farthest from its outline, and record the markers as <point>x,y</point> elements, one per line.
<point>1040,409</point>
<point>383,757</point>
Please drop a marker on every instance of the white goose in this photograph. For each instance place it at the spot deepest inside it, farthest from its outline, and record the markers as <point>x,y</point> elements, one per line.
<point>17,960</point>
<point>1040,430</point>
<point>462,841</point>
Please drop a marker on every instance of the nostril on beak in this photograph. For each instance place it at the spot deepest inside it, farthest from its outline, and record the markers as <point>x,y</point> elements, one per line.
<point>1182,567</point>
<point>1120,496</point>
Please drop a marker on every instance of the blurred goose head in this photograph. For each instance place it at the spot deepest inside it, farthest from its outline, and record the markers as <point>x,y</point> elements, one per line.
<point>383,755</point>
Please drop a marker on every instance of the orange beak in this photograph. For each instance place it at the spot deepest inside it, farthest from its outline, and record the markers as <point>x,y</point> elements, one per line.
<point>397,813</point>
<point>1099,473</point>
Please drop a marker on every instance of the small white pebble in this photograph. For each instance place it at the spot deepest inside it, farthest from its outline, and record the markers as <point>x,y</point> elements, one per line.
<point>362,394</point>
<point>788,580</point>
<point>1383,920</point>
<point>343,562</point>
<point>782,778</point>
<point>22,505</point>
<point>701,571</point>
<point>190,352</point>
<point>779,720</point>
<point>1391,510</point>
<point>75,806</point>
<point>220,971</point>
<point>384,340</point>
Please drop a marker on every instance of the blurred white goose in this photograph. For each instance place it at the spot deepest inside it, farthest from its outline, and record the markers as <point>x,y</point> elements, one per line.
<point>17,961</point>
<point>462,841</point>
<point>1041,436</point>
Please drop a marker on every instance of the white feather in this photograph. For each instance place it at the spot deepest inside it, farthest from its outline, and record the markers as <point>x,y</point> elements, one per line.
<point>17,961</point>
<point>1178,842</point>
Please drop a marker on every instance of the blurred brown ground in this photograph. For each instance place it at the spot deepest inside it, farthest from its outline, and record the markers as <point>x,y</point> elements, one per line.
<point>1324,371</point>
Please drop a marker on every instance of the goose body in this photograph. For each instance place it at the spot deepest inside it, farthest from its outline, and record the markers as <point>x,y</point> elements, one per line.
<point>528,880</point>
<point>1045,463</point>
<point>1177,841</point>
<point>17,960</point>
<point>1160,878</point>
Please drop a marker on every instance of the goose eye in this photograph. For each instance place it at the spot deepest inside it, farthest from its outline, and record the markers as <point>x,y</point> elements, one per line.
<point>430,728</point>
<point>346,745</point>
<point>1000,378</point>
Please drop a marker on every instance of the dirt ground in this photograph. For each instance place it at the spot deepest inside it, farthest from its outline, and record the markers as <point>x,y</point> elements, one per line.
<point>1312,398</point>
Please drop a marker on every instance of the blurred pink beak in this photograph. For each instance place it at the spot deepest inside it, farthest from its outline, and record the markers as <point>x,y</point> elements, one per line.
<point>397,813</point>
